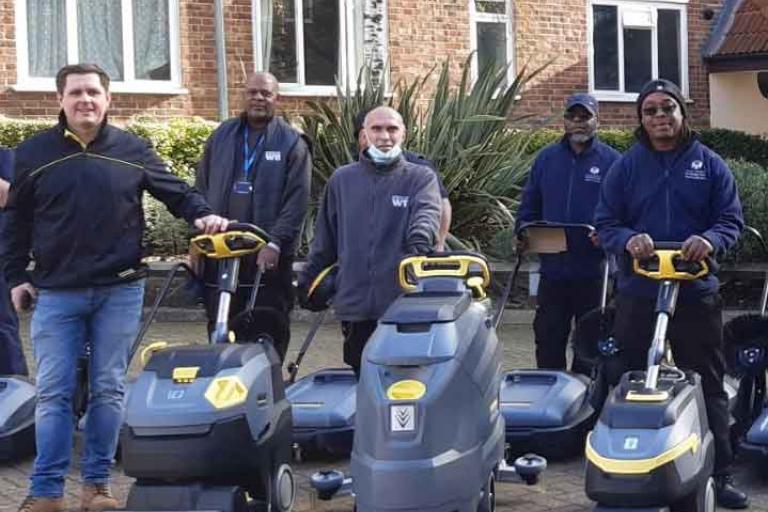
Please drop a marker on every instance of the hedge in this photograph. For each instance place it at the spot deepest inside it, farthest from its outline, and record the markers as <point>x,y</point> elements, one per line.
<point>180,142</point>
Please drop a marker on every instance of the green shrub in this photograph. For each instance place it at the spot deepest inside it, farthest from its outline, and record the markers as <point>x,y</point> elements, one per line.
<point>752,180</point>
<point>736,145</point>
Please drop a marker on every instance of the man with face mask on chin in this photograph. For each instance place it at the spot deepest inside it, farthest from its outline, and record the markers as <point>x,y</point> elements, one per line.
<point>374,212</point>
<point>563,186</point>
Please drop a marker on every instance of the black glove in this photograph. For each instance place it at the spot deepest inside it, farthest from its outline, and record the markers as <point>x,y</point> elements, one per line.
<point>307,302</point>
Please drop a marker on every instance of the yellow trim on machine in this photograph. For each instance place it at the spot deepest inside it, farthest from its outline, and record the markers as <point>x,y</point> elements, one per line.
<point>406,390</point>
<point>150,349</point>
<point>185,374</point>
<point>226,392</point>
<point>656,396</point>
<point>216,246</point>
<point>455,265</point>
<point>640,466</point>
<point>667,268</point>
<point>319,279</point>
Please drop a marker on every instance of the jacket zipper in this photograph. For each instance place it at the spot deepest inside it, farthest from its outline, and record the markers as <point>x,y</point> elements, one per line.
<point>570,191</point>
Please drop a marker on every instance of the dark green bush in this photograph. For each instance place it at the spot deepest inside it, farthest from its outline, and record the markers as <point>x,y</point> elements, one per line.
<point>752,180</point>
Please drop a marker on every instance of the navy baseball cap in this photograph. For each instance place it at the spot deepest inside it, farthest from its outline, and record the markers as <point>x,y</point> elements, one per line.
<point>585,100</point>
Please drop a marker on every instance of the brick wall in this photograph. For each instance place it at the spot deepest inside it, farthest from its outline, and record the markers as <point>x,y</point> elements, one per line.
<point>421,34</point>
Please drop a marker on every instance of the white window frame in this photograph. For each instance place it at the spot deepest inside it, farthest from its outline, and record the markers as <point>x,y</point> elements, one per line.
<point>128,84</point>
<point>486,17</point>
<point>348,60</point>
<point>621,5</point>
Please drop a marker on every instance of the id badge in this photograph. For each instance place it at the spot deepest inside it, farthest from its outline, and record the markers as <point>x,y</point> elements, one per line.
<point>242,187</point>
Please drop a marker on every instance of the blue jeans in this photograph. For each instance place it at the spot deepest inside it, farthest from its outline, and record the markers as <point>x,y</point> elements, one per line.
<point>63,322</point>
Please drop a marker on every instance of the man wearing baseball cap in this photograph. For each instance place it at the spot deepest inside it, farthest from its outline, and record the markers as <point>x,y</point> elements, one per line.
<point>670,187</point>
<point>563,186</point>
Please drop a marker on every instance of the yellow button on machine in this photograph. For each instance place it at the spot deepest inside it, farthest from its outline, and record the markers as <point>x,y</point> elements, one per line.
<point>406,390</point>
<point>226,392</point>
<point>185,374</point>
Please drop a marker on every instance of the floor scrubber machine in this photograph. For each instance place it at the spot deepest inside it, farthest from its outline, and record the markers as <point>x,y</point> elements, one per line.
<point>429,435</point>
<point>208,427</point>
<point>323,402</point>
<point>746,344</point>
<point>651,448</point>
<point>17,417</point>
<point>550,411</point>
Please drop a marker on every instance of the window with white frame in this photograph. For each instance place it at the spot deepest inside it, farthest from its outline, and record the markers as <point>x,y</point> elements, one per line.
<point>309,45</point>
<point>134,41</point>
<point>491,35</point>
<point>634,42</point>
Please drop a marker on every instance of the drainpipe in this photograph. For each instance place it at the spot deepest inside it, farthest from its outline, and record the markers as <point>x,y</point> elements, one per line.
<point>221,60</point>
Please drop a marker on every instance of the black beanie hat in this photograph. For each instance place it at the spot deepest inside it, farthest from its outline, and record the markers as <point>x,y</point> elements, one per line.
<point>664,86</point>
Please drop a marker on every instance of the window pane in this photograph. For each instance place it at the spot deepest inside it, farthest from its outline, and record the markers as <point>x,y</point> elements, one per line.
<point>321,41</point>
<point>282,50</point>
<point>669,44</point>
<point>100,35</point>
<point>46,36</point>
<point>492,6</point>
<point>605,40</point>
<point>637,59</point>
<point>151,40</point>
<point>491,45</point>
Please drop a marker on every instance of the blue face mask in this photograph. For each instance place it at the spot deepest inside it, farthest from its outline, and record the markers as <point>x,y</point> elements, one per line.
<point>380,157</point>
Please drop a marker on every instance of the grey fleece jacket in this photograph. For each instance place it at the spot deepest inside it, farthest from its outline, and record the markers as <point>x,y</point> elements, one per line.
<point>368,219</point>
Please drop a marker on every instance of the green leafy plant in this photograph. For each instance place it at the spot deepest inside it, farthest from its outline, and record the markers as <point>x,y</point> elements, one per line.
<point>464,128</point>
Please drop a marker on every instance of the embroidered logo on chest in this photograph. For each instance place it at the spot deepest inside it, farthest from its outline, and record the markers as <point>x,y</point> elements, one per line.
<point>400,201</point>
<point>272,156</point>
<point>593,175</point>
<point>696,171</point>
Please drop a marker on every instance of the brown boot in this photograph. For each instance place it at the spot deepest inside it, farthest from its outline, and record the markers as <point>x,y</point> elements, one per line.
<point>97,497</point>
<point>40,504</point>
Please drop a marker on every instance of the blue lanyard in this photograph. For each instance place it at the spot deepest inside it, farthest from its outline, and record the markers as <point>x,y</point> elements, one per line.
<point>249,157</point>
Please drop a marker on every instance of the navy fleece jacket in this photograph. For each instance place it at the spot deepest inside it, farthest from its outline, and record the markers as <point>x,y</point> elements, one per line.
<point>564,187</point>
<point>670,196</point>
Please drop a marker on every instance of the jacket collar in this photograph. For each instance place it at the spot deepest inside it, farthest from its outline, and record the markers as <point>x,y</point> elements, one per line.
<point>591,145</point>
<point>65,131</point>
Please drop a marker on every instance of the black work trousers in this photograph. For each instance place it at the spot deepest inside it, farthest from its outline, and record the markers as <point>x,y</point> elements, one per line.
<point>559,303</point>
<point>695,334</point>
<point>275,292</point>
<point>356,335</point>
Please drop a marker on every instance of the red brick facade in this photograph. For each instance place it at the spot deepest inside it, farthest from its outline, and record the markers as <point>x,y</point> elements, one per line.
<point>421,34</point>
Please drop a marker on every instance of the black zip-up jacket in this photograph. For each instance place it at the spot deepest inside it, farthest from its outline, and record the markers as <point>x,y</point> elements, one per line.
<point>78,208</point>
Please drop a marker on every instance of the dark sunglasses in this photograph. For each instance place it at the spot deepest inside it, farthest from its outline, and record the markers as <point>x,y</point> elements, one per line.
<point>652,111</point>
<point>574,116</point>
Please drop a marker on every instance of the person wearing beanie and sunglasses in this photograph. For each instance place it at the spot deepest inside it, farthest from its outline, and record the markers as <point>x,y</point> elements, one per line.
<point>670,187</point>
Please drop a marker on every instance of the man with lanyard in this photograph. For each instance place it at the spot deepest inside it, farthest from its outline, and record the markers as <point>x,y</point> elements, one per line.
<point>256,168</point>
<point>670,187</point>
<point>446,209</point>
<point>11,355</point>
<point>563,186</point>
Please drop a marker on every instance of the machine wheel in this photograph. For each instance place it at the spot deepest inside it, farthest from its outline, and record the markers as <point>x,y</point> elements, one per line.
<point>283,490</point>
<point>701,500</point>
<point>488,496</point>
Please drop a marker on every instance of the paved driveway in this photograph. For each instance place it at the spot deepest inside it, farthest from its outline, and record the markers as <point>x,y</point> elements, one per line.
<point>561,489</point>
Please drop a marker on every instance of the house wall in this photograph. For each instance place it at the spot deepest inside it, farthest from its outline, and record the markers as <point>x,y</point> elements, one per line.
<point>421,34</point>
<point>737,103</point>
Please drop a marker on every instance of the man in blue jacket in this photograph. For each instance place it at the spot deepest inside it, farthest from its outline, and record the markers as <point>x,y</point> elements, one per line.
<point>11,355</point>
<point>374,212</point>
<point>670,187</point>
<point>563,186</point>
